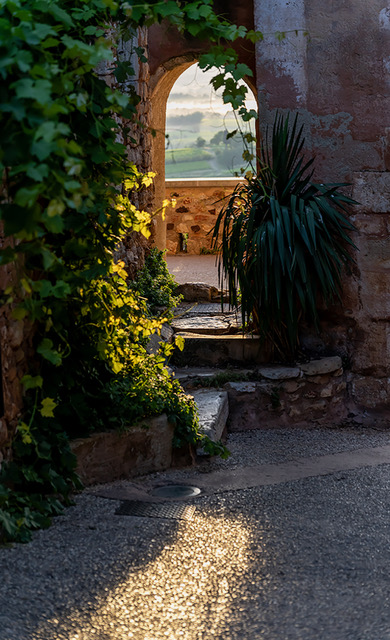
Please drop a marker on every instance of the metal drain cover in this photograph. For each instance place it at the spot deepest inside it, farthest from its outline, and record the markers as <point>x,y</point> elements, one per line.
<point>154,510</point>
<point>176,491</point>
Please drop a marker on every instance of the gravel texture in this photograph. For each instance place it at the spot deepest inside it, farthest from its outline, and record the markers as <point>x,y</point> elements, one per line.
<point>303,560</point>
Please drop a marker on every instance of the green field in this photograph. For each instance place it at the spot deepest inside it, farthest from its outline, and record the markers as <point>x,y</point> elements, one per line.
<point>196,169</point>
<point>189,155</point>
<point>183,159</point>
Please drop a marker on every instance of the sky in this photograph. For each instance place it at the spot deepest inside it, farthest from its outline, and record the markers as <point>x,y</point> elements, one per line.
<point>193,92</point>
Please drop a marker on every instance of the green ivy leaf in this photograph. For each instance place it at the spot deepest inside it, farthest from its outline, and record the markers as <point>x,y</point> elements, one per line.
<point>31,382</point>
<point>46,350</point>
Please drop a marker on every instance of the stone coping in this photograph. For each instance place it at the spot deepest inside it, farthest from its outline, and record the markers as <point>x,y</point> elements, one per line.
<point>108,456</point>
<point>273,372</point>
<point>202,182</point>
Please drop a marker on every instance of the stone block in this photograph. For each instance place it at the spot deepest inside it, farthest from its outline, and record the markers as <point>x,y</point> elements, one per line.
<point>104,457</point>
<point>371,355</point>
<point>319,367</point>
<point>290,386</point>
<point>371,189</point>
<point>375,293</point>
<point>213,410</point>
<point>194,291</point>
<point>327,391</point>
<point>370,392</point>
<point>320,379</point>
<point>242,387</point>
<point>279,373</point>
<point>202,324</point>
<point>219,350</point>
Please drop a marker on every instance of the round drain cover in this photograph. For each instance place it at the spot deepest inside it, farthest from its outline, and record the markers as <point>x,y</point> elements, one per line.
<point>176,491</point>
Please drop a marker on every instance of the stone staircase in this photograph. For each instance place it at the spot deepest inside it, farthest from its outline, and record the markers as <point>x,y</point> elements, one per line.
<point>227,374</point>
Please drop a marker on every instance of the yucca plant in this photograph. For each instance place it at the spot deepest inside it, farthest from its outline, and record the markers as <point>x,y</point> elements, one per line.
<point>283,241</point>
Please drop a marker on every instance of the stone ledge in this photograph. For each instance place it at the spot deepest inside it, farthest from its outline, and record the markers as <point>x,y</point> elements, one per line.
<point>219,350</point>
<point>213,409</point>
<point>202,182</point>
<point>104,457</point>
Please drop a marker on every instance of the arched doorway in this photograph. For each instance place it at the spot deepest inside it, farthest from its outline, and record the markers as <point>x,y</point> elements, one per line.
<point>222,165</point>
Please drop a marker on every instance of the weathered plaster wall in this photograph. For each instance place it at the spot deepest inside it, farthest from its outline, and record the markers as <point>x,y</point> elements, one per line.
<point>198,202</point>
<point>338,80</point>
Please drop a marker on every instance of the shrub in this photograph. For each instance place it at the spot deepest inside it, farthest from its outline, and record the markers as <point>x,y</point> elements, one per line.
<point>283,241</point>
<point>157,285</point>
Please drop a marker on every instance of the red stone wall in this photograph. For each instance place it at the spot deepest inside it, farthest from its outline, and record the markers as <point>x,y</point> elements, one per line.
<point>338,80</point>
<point>198,202</point>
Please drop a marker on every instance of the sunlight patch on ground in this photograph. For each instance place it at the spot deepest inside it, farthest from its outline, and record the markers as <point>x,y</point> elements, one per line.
<point>187,592</point>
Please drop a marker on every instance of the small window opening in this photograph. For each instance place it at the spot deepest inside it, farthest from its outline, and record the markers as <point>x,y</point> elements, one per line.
<point>183,242</point>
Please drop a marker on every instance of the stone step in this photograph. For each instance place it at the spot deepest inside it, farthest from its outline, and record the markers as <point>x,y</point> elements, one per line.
<point>219,350</point>
<point>213,410</point>
<point>190,309</point>
<point>207,325</point>
<point>275,395</point>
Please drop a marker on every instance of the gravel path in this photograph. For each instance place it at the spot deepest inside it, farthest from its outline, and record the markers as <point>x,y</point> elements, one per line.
<point>302,560</point>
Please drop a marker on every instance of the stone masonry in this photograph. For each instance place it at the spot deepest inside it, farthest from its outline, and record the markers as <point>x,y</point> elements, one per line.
<point>198,203</point>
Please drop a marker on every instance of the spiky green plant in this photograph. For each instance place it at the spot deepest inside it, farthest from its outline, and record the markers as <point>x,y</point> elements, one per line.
<point>283,240</point>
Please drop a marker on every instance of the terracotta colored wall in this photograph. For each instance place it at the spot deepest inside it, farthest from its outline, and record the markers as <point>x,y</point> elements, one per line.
<point>198,202</point>
<point>338,80</point>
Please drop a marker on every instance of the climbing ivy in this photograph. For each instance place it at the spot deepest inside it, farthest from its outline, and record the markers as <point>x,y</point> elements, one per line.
<point>67,201</point>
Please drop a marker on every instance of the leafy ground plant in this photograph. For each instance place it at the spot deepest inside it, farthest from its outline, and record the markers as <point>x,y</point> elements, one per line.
<point>283,240</point>
<point>67,200</point>
<point>157,285</point>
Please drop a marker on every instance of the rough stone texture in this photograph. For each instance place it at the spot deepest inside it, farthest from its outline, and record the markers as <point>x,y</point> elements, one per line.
<point>279,373</point>
<point>138,140</point>
<point>104,457</point>
<point>15,354</point>
<point>370,392</point>
<point>219,350</point>
<point>204,309</point>
<point>206,324</point>
<point>198,203</point>
<point>280,402</point>
<point>213,409</point>
<point>196,291</point>
<point>338,83</point>
<point>319,367</point>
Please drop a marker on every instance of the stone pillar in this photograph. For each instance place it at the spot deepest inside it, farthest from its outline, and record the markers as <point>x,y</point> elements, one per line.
<point>136,134</point>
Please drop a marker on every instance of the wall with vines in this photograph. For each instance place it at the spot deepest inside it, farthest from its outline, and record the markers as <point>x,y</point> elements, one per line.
<point>70,198</point>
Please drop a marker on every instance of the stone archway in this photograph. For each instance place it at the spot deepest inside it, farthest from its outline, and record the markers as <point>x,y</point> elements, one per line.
<point>161,85</point>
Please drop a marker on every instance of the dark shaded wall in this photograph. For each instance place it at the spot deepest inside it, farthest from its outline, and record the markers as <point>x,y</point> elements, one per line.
<point>338,79</point>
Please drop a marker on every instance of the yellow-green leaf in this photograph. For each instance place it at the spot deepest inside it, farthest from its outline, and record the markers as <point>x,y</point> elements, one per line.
<point>48,406</point>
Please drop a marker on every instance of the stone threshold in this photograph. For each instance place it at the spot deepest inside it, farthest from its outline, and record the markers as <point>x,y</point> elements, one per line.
<point>202,182</point>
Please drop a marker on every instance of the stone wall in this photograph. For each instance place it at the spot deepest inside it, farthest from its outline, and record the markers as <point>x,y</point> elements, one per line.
<point>307,394</point>
<point>198,202</point>
<point>15,353</point>
<point>138,140</point>
<point>104,457</point>
<point>338,80</point>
